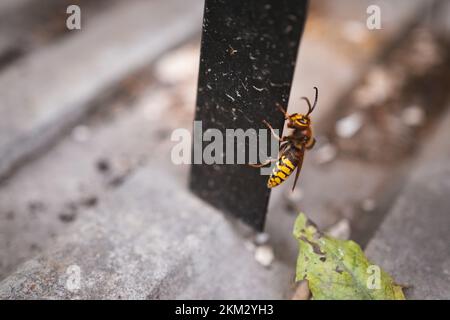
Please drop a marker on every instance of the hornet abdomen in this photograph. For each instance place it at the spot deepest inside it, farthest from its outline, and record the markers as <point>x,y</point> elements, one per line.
<point>283,169</point>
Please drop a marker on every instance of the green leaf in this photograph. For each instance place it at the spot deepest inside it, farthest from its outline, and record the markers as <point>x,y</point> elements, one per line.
<point>338,269</point>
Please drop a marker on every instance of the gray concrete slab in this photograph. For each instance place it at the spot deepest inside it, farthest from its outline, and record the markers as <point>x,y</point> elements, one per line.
<point>50,90</point>
<point>413,242</point>
<point>47,195</point>
<point>149,239</point>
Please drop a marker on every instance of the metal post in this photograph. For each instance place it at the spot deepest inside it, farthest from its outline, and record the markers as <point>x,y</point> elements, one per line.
<point>248,55</point>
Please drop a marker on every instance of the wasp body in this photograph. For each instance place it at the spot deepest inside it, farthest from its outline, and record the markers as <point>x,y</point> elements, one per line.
<point>293,146</point>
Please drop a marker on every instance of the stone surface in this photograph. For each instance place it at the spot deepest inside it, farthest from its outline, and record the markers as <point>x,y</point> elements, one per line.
<point>97,156</point>
<point>413,242</point>
<point>149,239</point>
<point>7,5</point>
<point>49,90</point>
<point>29,25</point>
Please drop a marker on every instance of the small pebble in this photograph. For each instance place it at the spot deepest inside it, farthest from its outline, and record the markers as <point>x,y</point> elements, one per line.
<point>67,217</point>
<point>296,196</point>
<point>326,153</point>
<point>103,165</point>
<point>413,116</point>
<point>264,255</point>
<point>340,230</point>
<point>89,201</point>
<point>117,180</point>
<point>180,65</point>
<point>379,85</point>
<point>36,206</point>
<point>261,238</point>
<point>347,127</point>
<point>354,31</point>
<point>69,213</point>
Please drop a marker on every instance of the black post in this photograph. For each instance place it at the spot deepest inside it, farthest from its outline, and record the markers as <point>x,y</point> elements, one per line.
<point>248,54</point>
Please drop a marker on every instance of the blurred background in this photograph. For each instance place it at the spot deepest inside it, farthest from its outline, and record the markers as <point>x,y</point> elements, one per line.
<point>85,113</point>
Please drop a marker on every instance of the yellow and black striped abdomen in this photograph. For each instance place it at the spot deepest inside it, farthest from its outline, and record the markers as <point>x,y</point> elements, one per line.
<point>283,169</point>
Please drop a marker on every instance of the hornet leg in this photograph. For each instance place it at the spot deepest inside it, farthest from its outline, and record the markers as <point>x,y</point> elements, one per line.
<point>265,163</point>
<point>273,132</point>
